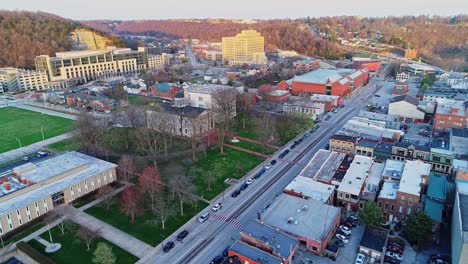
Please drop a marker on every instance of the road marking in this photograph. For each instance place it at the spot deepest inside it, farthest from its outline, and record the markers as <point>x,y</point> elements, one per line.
<point>230,221</point>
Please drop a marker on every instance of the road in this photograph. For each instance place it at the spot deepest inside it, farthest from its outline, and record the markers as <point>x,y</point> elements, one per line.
<point>209,239</point>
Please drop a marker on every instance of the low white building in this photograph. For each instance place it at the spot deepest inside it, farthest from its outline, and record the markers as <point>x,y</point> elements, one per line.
<point>406,107</point>
<point>304,108</point>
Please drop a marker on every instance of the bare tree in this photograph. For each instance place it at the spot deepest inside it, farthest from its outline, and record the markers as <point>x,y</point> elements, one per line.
<point>105,193</point>
<point>224,108</point>
<point>149,142</point>
<point>151,183</point>
<point>87,236</point>
<point>245,102</point>
<point>131,116</point>
<point>266,127</point>
<point>126,168</point>
<point>183,187</point>
<point>58,215</point>
<point>163,210</point>
<point>164,124</point>
<point>90,129</point>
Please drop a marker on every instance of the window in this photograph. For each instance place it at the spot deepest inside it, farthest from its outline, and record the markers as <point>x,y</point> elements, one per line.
<point>28,213</point>
<point>392,207</point>
<point>380,204</point>
<point>1,229</point>
<point>45,206</point>
<point>341,194</point>
<point>408,211</point>
<point>403,200</point>
<point>18,215</point>
<point>436,158</point>
<point>347,196</point>
<point>386,206</point>
<point>401,209</point>
<point>410,201</point>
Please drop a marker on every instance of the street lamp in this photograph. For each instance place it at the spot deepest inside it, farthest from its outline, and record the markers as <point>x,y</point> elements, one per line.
<point>42,132</point>
<point>19,142</point>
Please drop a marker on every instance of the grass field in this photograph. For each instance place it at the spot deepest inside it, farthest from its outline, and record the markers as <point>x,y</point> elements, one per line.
<point>73,250</point>
<point>66,145</point>
<point>25,126</point>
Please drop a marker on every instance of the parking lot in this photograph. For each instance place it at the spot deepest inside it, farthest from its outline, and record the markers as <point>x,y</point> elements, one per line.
<point>347,254</point>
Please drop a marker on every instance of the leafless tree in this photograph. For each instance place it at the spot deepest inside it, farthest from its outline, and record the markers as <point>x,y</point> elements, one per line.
<point>151,183</point>
<point>105,193</point>
<point>164,124</point>
<point>266,127</point>
<point>163,210</point>
<point>90,129</point>
<point>245,101</point>
<point>126,168</point>
<point>87,236</point>
<point>224,109</point>
<point>58,215</point>
<point>183,187</point>
<point>131,116</point>
<point>149,142</point>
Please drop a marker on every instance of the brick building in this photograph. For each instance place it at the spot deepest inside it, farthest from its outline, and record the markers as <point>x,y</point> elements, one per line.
<point>343,143</point>
<point>450,116</point>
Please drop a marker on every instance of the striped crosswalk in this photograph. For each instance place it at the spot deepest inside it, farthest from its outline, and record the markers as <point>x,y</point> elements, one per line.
<point>233,222</point>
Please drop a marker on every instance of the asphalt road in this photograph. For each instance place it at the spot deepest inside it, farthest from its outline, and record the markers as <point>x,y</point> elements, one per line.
<point>210,238</point>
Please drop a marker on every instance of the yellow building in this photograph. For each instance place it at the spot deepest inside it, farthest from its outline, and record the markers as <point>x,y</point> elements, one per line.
<point>245,47</point>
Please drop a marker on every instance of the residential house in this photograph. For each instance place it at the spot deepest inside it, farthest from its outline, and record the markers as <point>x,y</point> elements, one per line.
<point>164,90</point>
<point>387,199</point>
<point>372,185</point>
<point>366,148</point>
<point>434,204</point>
<point>324,165</point>
<point>330,101</point>
<point>459,142</point>
<point>450,116</point>
<point>391,121</point>
<point>383,151</point>
<point>393,170</point>
<point>441,157</point>
<point>303,108</point>
<point>343,143</point>
<point>459,229</point>
<point>203,96</point>
<point>414,176</point>
<point>408,151</point>
<point>251,254</point>
<point>352,185</point>
<point>406,107</point>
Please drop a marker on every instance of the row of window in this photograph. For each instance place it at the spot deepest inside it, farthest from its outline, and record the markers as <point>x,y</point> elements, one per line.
<point>11,225</point>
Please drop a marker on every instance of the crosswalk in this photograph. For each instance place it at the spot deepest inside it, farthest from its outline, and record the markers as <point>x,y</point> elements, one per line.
<point>230,221</point>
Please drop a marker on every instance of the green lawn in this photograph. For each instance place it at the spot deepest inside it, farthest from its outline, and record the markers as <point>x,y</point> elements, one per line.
<point>25,126</point>
<point>232,164</point>
<point>143,100</point>
<point>145,227</point>
<point>74,250</point>
<point>66,145</point>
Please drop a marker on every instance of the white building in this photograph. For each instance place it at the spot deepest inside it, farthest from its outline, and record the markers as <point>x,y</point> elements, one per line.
<point>406,107</point>
<point>13,79</point>
<point>157,61</point>
<point>202,96</point>
<point>304,108</point>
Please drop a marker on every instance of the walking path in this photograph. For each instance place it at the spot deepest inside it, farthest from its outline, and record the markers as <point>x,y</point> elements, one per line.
<point>24,151</point>
<point>129,243</point>
<point>46,111</point>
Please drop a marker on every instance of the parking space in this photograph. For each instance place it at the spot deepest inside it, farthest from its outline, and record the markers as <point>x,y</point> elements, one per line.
<point>347,254</point>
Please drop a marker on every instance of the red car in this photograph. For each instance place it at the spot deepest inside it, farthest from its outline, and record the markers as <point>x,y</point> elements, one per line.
<point>395,249</point>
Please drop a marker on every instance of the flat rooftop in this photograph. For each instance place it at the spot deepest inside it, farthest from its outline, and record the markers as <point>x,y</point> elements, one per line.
<point>323,165</point>
<point>320,76</point>
<point>456,109</point>
<point>324,97</point>
<point>80,167</point>
<point>356,175</point>
<point>254,253</point>
<point>411,177</point>
<point>389,190</point>
<point>207,88</point>
<point>281,242</point>
<point>310,188</point>
<point>296,216</point>
<point>377,116</point>
<point>393,168</point>
<point>375,174</point>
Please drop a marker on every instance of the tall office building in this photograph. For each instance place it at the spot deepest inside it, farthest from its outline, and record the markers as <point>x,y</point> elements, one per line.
<point>86,65</point>
<point>245,47</point>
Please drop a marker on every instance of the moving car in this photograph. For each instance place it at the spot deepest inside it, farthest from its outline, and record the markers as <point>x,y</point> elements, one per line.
<point>394,255</point>
<point>202,218</point>
<point>216,207</point>
<point>345,230</point>
<point>182,235</point>
<point>360,259</point>
<point>235,193</point>
<point>342,238</point>
<point>249,181</point>
<point>168,246</point>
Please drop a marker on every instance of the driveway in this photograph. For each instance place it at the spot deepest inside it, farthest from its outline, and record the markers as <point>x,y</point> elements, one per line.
<point>346,255</point>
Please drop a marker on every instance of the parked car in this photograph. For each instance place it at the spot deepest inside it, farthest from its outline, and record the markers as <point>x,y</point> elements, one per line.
<point>342,238</point>
<point>394,255</point>
<point>203,217</point>
<point>225,251</point>
<point>25,158</point>
<point>273,162</point>
<point>168,246</point>
<point>344,234</point>
<point>182,235</point>
<point>338,243</point>
<point>235,193</point>
<point>244,186</point>
<point>249,181</point>
<point>216,207</point>
<point>360,259</point>
<point>293,146</point>
<point>347,224</point>
<point>327,117</point>
<point>268,166</point>
<point>217,260</point>
<point>258,174</point>
<point>395,249</point>
<point>41,154</point>
<point>345,230</point>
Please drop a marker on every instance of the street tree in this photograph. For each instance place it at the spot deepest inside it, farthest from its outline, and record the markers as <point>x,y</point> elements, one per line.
<point>103,254</point>
<point>266,128</point>
<point>87,236</point>
<point>126,168</point>
<point>131,202</point>
<point>182,186</point>
<point>418,227</point>
<point>163,123</point>
<point>151,183</point>
<point>370,214</point>
<point>90,130</point>
<point>105,193</point>
<point>245,102</point>
<point>163,210</point>
<point>224,109</point>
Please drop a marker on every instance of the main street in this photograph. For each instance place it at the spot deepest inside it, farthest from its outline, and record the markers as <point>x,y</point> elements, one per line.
<point>210,238</point>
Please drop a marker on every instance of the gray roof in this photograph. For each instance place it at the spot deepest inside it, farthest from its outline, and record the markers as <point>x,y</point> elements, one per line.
<point>374,238</point>
<point>308,218</point>
<point>416,146</point>
<point>460,132</point>
<point>188,111</point>
<point>367,144</point>
<point>52,167</point>
<point>383,147</point>
<point>254,253</point>
<point>408,98</point>
<point>463,210</point>
<point>281,242</point>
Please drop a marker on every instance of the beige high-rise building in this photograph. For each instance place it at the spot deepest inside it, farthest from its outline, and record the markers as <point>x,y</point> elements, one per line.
<point>245,47</point>
<point>157,61</point>
<point>14,79</point>
<point>87,65</point>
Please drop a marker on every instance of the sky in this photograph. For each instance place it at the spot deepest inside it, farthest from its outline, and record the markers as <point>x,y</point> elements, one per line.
<point>242,9</point>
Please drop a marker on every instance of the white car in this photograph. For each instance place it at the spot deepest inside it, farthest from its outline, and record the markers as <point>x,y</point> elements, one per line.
<point>360,259</point>
<point>342,238</point>
<point>394,255</point>
<point>249,181</point>
<point>216,207</point>
<point>345,230</point>
<point>268,166</point>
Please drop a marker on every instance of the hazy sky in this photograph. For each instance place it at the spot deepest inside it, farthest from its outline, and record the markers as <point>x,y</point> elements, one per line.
<point>263,9</point>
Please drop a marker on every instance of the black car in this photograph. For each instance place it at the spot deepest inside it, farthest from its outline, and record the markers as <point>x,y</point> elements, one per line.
<point>286,152</point>
<point>225,252</point>
<point>235,193</point>
<point>218,259</point>
<point>182,235</point>
<point>244,186</point>
<point>168,246</point>
<point>273,162</point>
<point>293,146</point>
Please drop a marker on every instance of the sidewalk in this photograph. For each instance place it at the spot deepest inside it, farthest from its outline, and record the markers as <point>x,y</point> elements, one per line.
<point>21,152</point>
<point>132,245</point>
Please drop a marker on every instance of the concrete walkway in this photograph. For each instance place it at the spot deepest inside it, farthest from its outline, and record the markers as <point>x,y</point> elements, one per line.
<point>46,111</point>
<point>21,152</point>
<point>123,240</point>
